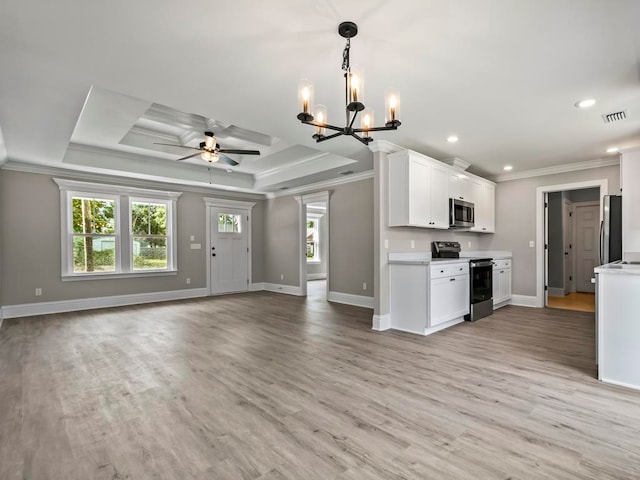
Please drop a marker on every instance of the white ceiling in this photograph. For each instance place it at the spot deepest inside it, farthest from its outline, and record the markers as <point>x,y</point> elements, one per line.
<point>502,75</point>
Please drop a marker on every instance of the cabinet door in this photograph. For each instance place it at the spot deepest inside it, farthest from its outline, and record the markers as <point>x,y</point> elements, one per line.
<point>505,284</point>
<point>496,286</point>
<point>485,209</point>
<point>439,200</point>
<point>449,299</point>
<point>468,190</point>
<point>630,182</point>
<point>419,195</point>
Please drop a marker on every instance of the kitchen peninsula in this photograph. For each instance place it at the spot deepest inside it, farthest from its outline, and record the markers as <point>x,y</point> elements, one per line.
<point>618,324</point>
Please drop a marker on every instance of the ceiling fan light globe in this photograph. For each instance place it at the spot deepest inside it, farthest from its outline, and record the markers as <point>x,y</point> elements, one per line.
<point>209,140</point>
<point>206,156</point>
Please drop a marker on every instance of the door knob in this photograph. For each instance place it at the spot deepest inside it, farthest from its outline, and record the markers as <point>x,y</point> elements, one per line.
<point>213,254</point>
<point>213,248</point>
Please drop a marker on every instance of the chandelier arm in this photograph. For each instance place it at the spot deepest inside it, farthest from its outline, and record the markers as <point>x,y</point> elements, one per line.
<point>323,138</point>
<point>353,119</point>
<point>374,129</point>
<point>325,125</point>
<point>361,139</point>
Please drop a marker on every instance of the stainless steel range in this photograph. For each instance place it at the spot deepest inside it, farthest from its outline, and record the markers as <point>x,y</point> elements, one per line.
<point>480,278</point>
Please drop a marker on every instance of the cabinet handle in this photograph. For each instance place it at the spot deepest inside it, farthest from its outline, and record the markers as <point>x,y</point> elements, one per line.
<point>453,279</point>
<point>484,228</point>
<point>501,271</point>
<point>441,271</point>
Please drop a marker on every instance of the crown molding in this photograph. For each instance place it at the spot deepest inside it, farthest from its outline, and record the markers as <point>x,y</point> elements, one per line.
<point>384,147</point>
<point>355,177</point>
<point>75,173</point>
<point>554,170</point>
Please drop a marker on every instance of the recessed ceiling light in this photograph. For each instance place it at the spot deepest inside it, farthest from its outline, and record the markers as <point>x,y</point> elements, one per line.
<point>612,149</point>
<point>508,168</point>
<point>452,139</point>
<point>586,103</point>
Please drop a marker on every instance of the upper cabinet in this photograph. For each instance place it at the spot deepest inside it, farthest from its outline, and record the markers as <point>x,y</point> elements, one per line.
<point>417,191</point>
<point>420,188</point>
<point>485,208</point>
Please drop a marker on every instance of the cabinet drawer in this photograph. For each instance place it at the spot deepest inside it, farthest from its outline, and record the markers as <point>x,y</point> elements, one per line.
<point>498,264</point>
<point>439,271</point>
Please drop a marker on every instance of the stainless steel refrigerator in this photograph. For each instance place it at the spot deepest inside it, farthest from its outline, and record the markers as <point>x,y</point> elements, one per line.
<point>611,229</point>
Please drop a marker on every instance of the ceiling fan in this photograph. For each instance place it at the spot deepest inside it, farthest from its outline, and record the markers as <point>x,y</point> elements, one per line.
<point>211,152</point>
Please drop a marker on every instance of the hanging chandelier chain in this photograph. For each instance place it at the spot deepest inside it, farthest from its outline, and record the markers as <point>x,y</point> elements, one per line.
<point>345,56</point>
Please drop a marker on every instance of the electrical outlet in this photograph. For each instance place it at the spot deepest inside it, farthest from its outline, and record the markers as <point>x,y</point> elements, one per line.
<point>532,244</point>
<point>364,286</point>
<point>282,276</point>
<point>386,243</point>
<point>193,237</point>
<point>188,281</point>
<point>413,244</point>
<point>38,292</point>
<point>469,244</point>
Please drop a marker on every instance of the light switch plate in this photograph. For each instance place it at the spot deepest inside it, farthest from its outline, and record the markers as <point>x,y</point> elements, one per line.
<point>196,246</point>
<point>532,244</point>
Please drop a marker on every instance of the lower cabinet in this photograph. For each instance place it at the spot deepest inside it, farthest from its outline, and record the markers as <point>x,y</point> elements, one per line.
<point>501,282</point>
<point>448,294</point>
<point>426,298</point>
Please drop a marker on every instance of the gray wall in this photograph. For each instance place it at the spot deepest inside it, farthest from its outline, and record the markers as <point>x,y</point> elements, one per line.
<point>351,242</point>
<point>282,241</point>
<point>350,239</point>
<point>586,195</point>
<point>516,219</point>
<point>556,247</point>
<point>30,239</point>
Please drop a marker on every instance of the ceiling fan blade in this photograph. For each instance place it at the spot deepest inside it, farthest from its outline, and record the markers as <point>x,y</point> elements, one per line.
<point>228,161</point>
<point>174,145</point>
<point>240,152</point>
<point>188,156</point>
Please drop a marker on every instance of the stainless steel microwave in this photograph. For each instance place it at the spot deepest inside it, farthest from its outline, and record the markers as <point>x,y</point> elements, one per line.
<point>461,214</point>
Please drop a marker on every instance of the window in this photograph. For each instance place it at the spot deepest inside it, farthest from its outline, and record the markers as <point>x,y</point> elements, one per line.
<point>313,238</point>
<point>108,230</point>
<point>229,223</point>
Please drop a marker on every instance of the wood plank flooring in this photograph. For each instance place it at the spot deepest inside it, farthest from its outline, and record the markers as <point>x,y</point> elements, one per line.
<point>579,301</point>
<point>263,386</point>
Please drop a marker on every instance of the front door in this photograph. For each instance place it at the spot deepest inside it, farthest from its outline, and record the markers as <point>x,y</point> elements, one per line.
<point>229,250</point>
<point>587,254</point>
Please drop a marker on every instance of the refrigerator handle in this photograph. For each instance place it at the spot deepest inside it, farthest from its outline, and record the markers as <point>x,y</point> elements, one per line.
<point>601,242</point>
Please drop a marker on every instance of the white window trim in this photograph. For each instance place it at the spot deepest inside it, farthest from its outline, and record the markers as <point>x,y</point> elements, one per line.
<point>317,217</point>
<point>122,196</point>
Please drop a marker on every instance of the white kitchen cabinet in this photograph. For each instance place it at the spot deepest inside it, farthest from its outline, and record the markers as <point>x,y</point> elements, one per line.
<point>425,298</point>
<point>417,191</point>
<point>630,183</point>
<point>501,282</point>
<point>462,187</point>
<point>485,208</point>
<point>448,295</point>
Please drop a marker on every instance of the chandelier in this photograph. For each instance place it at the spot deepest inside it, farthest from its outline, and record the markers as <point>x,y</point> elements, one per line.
<point>353,92</point>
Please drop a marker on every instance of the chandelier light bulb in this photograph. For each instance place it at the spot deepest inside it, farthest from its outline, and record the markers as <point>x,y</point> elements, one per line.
<point>305,95</point>
<point>206,156</point>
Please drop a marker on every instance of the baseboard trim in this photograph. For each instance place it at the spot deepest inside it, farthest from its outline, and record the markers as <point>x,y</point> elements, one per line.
<point>620,384</point>
<point>524,301</point>
<point>316,276</point>
<point>350,299</point>
<point>381,323</point>
<point>556,292</point>
<point>288,289</point>
<point>256,287</point>
<point>45,308</point>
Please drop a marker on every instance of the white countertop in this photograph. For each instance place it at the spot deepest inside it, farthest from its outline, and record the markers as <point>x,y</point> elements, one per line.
<point>424,258</point>
<point>617,268</point>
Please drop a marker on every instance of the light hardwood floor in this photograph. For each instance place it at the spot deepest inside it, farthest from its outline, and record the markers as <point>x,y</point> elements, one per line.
<point>272,387</point>
<point>579,301</point>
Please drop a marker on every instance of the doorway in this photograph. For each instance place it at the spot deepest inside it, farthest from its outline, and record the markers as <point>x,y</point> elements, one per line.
<point>314,246</point>
<point>228,246</point>
<point>572,220</point>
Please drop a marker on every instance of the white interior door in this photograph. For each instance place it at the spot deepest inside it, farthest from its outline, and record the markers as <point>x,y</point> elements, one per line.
<point>567,239</point>
<point>229,250</point>
<point>587,254</point>
<point>546,248</point>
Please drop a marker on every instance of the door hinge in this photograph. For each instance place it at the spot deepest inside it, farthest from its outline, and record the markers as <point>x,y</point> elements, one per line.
<point>546,247</point>
<point>571,214</point>
<point>570,278</point>
<point>546,205</point>
<point>546,288</point>
<point>247,249</point>
<point>570,247</point>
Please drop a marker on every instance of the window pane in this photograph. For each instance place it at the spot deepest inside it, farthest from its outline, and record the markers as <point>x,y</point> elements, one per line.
<point>93,254</point>
<point>149,253</point>
<point>148,218</point>
<point>93,215</point>
<point>229,223</point>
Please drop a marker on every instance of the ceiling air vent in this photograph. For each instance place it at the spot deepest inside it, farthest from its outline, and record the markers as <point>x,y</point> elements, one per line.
<point>345,172</point>
<point>615,116</point>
